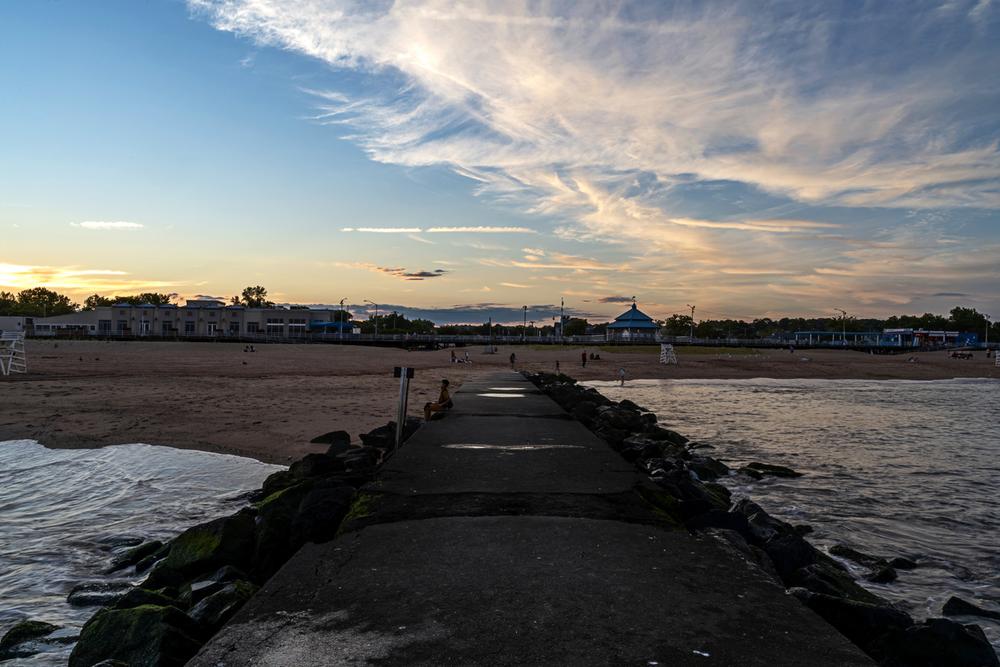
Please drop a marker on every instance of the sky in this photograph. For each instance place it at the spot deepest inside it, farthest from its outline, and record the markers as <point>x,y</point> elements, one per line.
<point>465,160</point>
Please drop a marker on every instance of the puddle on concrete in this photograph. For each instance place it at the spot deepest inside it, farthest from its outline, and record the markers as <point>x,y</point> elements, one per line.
<point>502,395</point>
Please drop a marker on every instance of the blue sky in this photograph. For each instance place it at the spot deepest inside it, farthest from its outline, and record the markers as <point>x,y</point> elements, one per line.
<point>753,159</point>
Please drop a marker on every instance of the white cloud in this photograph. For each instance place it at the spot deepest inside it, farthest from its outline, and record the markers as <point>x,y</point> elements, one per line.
<point>480,230</point>
<point>101,225</point>
<point>383,230</point>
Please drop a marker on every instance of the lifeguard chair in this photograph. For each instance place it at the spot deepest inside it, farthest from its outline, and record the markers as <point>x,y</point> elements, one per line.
<point>12,356</point>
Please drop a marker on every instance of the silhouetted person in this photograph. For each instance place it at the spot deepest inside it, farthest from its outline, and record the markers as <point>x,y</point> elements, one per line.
<point>513,358</point>
<point>583,358</point>
<point>443,403</point>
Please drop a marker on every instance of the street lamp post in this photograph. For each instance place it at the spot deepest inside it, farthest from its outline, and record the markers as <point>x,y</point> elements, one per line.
<point>692,321</point>
<point>524,327</point>
<point>987,331</point>
<point>843,323</point>
<point>376,315</point>
<point>340,317</point>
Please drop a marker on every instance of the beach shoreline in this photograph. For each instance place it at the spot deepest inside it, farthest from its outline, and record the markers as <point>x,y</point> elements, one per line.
<point>269,403</point>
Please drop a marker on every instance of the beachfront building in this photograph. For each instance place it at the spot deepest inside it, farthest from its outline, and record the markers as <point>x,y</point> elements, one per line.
<point>632,325</point>
<point>202,318</point>
<point>15,324</point>
<point>902,338</point>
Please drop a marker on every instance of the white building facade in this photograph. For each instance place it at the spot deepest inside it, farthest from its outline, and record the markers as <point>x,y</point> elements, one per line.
<point>195,319</point>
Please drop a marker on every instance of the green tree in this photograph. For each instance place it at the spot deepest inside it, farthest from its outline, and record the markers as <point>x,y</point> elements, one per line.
<point>42,302</point>
<point>678,325</point>
<point>967,319</point>
<point>253,297</point>
<point>575,327</point>
<point>8,303</point>
<point>97,301</point>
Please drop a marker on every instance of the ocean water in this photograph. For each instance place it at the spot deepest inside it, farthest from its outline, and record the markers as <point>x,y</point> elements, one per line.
<point>65,512</point>
<point>891,468</point>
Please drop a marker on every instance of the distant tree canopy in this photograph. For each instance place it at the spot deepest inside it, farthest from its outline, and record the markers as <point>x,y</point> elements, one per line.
<point>252,297</point>
<point>575,326</point>
<point>155,298</point>
<point>35,302</point>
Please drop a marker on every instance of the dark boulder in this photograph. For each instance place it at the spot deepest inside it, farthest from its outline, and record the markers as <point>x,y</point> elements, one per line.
<point>139,596</point>
<point>747,551</point>
<point>207,547</point>
<point>613,436</point>
<point>959,607</point>
<point>277,481</point>
<point>859,557</point>
<point>903,563</point>
<point>616,418</point>
<point>861,622</point>
<point>316,465</point>
<point>333,438</point>
<point>828,578</point>
<point>12,645</point>
<point>134,555</point>
<point>97,593</point>
<point>660,433</point>
<point>773,470</point>
<point>883,575</point>
<point>936,642</point>
<point>763,525</point>
<point>218,607</point>
<point>320,514</point>
<point>626,404</point>
<point>145,635</point>
<point>707,468</point>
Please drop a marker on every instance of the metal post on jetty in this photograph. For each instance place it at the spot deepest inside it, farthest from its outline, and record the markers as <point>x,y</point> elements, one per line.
<point>404,374</point>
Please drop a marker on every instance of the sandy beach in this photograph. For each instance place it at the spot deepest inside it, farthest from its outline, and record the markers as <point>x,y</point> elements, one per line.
<point>268,404</point>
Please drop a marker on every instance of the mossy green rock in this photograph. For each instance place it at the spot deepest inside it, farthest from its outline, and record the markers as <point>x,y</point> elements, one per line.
<point>146,636</point>
<point>19,634</point>
<point>143,596</point>
<point>205,547</point>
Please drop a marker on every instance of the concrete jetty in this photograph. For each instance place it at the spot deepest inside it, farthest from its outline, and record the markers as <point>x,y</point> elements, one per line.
<point>508,534</point>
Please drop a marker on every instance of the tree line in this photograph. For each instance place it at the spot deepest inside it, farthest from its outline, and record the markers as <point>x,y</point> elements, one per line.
<point>43,302</point>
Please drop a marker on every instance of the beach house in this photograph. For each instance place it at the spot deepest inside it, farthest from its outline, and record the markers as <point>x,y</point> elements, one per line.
<point>633,325</point>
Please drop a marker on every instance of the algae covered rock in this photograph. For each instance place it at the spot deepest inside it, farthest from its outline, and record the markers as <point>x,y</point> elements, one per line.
<point>148,635</point>
<point>935,642</point>
<point>12,643</point>
<point>205,547</point>
<point>138,597</point>
<point>770,469</point>
<point>97,593</point>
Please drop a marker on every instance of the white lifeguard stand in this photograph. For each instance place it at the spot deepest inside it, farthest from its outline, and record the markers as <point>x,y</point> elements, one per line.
<point>667,354</point>
<point>996,358</point>
<point>12,357</point>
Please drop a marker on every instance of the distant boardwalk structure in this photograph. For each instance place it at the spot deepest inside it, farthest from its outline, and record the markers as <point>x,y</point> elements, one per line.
<point>633,325</point>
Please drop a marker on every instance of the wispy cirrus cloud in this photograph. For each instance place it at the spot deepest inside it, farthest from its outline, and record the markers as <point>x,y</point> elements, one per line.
<point>103,225</point>
<point>442,230</point>
<point>606,119</point>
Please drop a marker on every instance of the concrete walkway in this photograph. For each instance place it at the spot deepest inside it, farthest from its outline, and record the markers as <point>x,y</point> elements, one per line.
<point>507,534</point>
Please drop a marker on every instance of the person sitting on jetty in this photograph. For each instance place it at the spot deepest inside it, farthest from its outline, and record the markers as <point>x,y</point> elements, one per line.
<point>443,403</point>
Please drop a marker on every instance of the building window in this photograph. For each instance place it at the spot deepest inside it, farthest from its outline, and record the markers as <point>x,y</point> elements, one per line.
<point>104,326</point>
<point>122,326</point>
<point>189,327</point>
<point>253,327</point>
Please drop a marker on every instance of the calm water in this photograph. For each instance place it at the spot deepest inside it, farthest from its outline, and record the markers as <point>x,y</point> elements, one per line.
<point>61,512</point>
<point>892,468</point>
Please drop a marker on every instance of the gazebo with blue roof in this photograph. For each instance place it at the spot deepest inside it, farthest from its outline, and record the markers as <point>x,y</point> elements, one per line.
<point>631,325</point>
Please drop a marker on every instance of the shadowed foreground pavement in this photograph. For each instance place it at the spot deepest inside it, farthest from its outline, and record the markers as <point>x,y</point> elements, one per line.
<point>508,534</point>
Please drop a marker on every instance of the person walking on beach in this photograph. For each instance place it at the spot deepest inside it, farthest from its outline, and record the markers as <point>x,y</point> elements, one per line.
<point>583,358</point>
<point>621,375</point>
<point>513,358</point>
<point>453,360</point>
<point>443,403</point>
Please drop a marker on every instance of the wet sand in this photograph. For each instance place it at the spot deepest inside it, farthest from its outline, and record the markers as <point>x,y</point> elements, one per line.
<point>270,403</point>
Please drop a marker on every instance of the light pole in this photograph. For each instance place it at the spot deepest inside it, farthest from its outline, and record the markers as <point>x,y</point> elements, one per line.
<point>340,319</point>
<point>987,317</point>
<point>692,320</point>
<point>524,327</point>
<point>562,302</point>
<point>376,314</point>
<point>843,323</point>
